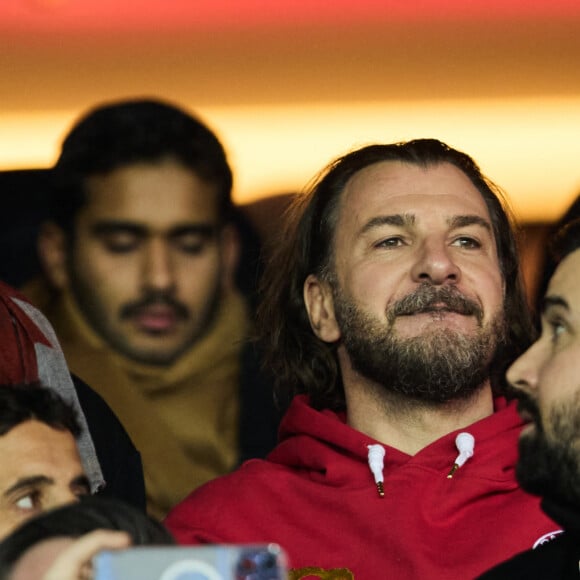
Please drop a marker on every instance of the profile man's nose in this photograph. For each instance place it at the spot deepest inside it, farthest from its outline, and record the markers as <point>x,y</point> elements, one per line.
<point>523,373</point>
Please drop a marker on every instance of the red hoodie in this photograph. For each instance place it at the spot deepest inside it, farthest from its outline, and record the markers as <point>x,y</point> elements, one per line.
<point>316,496</point>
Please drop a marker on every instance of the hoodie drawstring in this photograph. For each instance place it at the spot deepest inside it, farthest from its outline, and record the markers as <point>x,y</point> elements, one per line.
<point>465,444</point>
<point>376,458</point>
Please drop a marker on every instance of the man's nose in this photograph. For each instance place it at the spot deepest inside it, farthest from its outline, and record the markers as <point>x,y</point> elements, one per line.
<point>157,266</point>
<point>435,264</point>
<point>523,373</point>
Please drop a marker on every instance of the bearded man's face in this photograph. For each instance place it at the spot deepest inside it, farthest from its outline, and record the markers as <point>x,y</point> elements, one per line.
<point>415,295</point>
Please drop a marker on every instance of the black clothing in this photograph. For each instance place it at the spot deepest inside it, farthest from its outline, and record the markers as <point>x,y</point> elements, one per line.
<point>259,417</point>
<point>555,559</point>
<point>120,461</point>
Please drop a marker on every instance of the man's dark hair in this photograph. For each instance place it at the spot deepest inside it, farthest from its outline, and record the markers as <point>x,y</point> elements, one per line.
<point>126,132</point>
<point>550,259</point>
<point>565,241</point>
<point>301,363</point>
<point>27,402</point>
<point>77,519</point>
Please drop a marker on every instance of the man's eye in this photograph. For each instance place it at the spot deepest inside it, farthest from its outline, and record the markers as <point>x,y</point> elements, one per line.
<point>556,330</point>
<point>467,242</point>
<point>81,490</point>
<point>28,502</point>
<point>193,244</point>
<point>392,242</point>
<point>121,243</point>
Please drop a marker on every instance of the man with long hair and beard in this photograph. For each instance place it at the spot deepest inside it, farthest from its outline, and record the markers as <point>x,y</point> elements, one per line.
<point>546,379</point>
<point>391,308</point>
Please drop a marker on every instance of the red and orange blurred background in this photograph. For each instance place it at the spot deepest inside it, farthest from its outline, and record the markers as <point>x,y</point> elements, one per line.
<point>289,84</point>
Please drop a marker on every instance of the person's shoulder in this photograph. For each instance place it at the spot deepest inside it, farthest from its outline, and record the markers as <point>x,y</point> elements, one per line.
<point>253,479</point>
<point>226,503</point>
<point>249,479</point>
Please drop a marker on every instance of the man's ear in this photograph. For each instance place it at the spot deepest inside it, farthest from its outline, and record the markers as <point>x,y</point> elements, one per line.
<point>230,243</point>
<point>320,307</point>
<point>52,252</point>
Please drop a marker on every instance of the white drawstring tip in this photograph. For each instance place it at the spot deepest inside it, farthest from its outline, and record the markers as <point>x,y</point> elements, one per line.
<point>465,443</point>
<point>376,459</point>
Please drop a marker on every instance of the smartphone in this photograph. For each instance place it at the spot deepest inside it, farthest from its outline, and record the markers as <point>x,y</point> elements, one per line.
<point>209,562</point>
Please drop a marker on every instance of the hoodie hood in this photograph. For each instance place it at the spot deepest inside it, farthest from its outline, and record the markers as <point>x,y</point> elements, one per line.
<point>321,444</point>
<point>30,352</point>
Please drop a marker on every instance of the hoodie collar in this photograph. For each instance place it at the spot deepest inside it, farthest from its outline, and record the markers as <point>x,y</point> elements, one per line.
<point>322,444</point>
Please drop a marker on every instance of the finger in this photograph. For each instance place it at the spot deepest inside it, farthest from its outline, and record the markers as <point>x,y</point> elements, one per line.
<point>68,564</point>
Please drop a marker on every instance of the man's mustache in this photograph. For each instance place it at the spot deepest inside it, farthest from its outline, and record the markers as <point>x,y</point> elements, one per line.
<point>154,299</point>
<point>429,298</point>
<point>527,406</point>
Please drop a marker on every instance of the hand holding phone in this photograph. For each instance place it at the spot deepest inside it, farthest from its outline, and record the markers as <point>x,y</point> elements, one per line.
<point>217,562</point>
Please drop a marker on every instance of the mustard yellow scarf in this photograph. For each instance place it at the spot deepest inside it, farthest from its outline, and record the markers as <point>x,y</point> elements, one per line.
<point>184,418</point>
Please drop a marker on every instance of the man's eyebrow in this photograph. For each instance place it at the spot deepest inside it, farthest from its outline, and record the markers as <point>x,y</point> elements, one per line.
<point>205,230</point>
<point>553,301</point>
<point>106,227</point>
<point>407,220</point>
<point>25,482</point>
<point>399,220</point>
<point>461,221</point>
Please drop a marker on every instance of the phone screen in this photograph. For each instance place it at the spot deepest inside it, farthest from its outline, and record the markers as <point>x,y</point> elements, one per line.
<point>218,562</point>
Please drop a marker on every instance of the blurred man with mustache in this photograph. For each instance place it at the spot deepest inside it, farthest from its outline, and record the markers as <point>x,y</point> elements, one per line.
<point>390,314</point>
<point>140,254</point>
<point>547,380</point>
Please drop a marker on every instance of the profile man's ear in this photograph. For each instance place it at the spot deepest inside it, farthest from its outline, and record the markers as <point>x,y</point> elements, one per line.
<point>320,307</point>
<point>52,252</point>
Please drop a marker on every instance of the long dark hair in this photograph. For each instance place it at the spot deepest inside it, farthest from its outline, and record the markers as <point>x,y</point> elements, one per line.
<point>297,360</point>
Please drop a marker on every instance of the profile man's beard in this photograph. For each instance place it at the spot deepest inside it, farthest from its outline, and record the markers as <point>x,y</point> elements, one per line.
<point>436,367</point>
<point>550,467</point>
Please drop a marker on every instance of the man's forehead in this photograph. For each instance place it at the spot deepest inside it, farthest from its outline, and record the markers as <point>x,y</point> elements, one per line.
<point>150,215</point>
<point>148,188</point>
<point>565,283</point>
<point>34,443</point>
<point>399,188</point>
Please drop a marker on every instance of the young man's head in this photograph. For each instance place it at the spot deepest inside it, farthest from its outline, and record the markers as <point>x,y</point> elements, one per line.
<point>547,380</point>
<point>140,238</point>
<point>41,467</point>
<point>401,267</point>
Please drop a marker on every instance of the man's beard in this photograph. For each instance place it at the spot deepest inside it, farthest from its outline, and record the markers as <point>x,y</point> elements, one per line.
<point>551,467</point>
<point>436,367</point>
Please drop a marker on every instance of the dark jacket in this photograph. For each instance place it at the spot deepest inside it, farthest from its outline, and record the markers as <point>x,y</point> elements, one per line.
<point>557,558</point>
<point>120,461</point>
